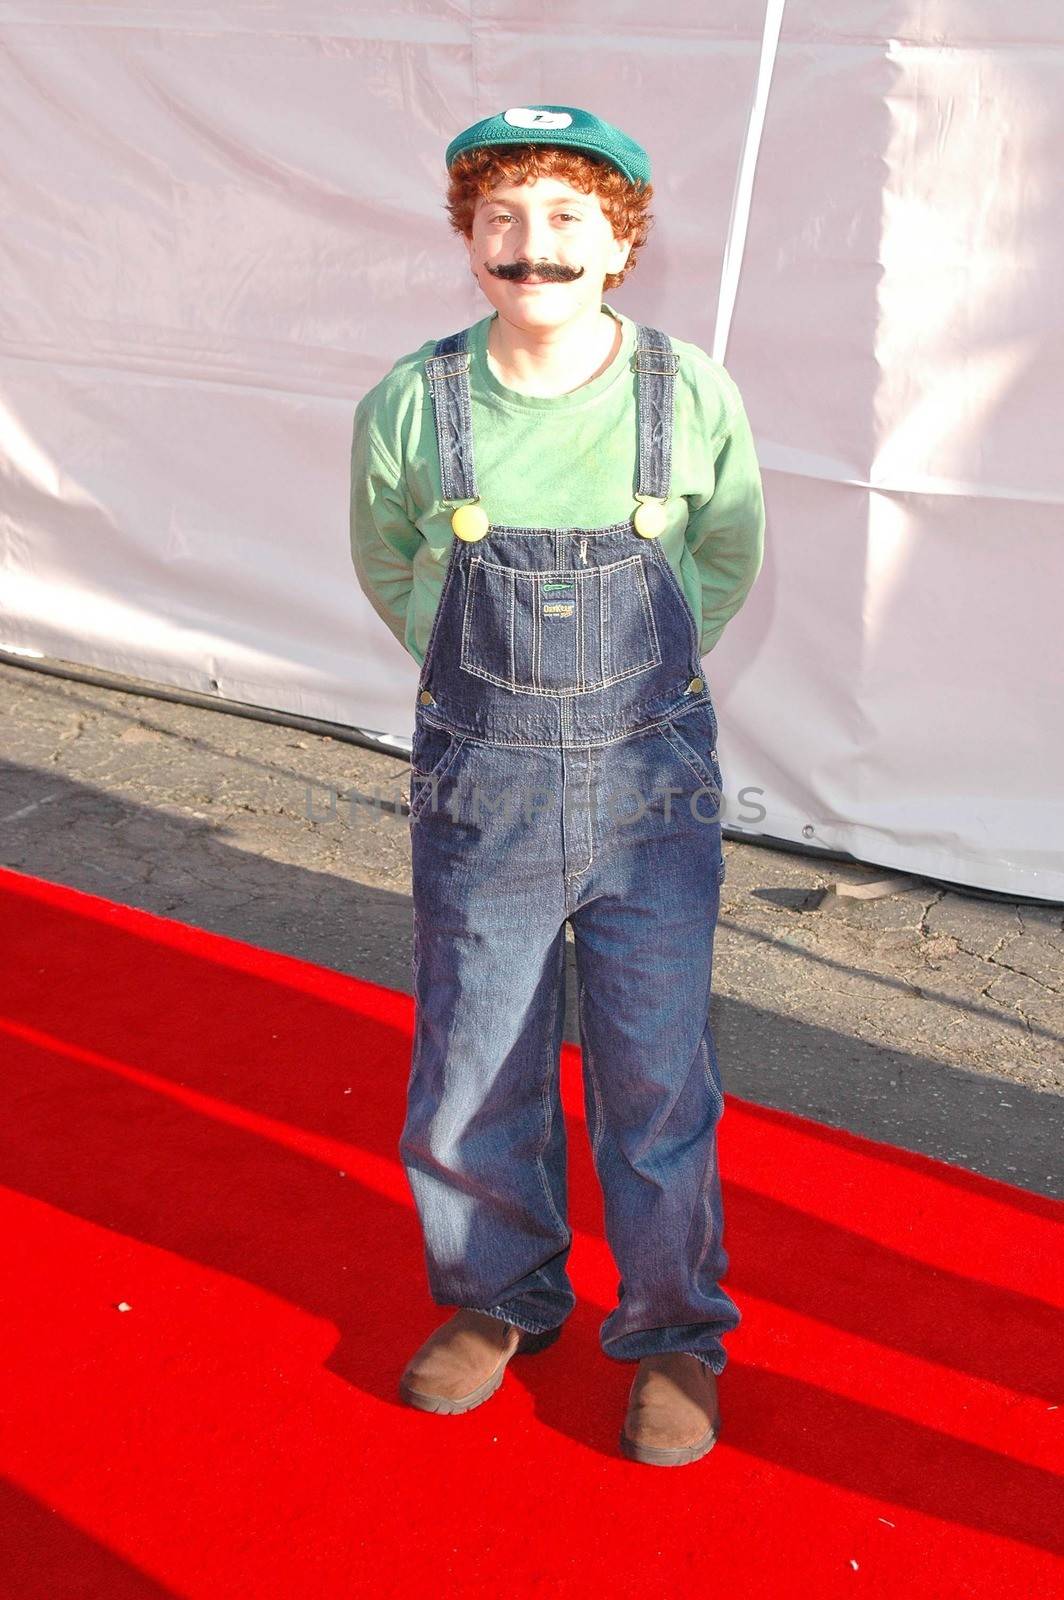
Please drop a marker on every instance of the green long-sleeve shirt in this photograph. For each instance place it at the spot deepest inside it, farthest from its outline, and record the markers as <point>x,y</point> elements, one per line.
<point>566,461</point>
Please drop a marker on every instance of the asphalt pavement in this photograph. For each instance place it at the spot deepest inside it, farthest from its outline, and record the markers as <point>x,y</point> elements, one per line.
<point>930,1017</point>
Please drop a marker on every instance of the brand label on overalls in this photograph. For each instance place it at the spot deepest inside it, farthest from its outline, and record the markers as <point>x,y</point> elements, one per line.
<point>560,607</point>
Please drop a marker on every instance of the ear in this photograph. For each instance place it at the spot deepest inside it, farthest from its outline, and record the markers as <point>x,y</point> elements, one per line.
<point>619,251</point>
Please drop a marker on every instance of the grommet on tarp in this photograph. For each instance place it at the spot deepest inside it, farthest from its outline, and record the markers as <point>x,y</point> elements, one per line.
<point>470,521</point>
<point>649,519</point>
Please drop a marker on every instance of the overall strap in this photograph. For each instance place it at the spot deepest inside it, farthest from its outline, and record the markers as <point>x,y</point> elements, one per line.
<point>656,363</point>
<point>447,370</point>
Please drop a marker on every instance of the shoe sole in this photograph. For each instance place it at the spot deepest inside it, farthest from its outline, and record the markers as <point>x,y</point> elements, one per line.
<point>451,1406</point>
<point>659,1456</point>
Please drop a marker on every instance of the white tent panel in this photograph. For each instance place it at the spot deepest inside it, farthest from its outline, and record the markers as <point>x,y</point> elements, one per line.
<point>225,224</point>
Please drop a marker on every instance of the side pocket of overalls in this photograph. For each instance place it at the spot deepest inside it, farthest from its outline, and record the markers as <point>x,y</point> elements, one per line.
<point>697,749</point>
<point>693,738</point>
<point>432,751</point>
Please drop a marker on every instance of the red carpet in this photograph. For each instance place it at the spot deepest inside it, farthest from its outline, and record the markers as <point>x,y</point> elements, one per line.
<point>207,1133</point>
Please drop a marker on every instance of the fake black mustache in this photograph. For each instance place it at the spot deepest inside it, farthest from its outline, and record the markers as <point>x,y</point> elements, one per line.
<point>518,271</point>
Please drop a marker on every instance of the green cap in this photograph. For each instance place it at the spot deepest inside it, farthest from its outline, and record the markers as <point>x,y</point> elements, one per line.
<point>567,126</point>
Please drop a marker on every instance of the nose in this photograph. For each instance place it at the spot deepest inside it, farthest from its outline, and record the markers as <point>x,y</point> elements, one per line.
<point>535,240</point>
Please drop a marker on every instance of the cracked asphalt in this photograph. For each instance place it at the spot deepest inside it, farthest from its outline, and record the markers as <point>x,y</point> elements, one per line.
<point>931,1018</point>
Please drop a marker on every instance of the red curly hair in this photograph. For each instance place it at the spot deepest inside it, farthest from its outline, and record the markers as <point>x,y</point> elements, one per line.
<point>478,173</point>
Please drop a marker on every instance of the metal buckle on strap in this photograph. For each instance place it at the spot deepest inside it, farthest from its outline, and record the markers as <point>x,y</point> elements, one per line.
<point>437,367</point>
<point>646,355</point>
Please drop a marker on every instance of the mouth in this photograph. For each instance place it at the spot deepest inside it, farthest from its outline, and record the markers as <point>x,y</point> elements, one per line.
<point>539,283</point>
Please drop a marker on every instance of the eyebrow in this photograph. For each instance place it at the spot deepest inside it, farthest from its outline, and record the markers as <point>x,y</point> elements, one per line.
<point>560,201</point>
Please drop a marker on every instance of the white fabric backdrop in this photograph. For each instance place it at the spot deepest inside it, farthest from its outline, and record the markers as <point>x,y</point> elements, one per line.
<point>224,223</point>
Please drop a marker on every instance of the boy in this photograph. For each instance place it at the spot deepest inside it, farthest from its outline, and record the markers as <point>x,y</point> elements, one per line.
<point>563,769</point>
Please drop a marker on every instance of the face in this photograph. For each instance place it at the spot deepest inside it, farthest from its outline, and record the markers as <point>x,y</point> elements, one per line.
<point>543,223</point>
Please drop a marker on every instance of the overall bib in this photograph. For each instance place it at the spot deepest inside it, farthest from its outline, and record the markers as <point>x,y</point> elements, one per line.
<point>564,769</point>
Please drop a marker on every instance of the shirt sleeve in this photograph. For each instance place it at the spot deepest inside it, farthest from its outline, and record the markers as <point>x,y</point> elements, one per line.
<point>726,529</point>
<point>384,540</point>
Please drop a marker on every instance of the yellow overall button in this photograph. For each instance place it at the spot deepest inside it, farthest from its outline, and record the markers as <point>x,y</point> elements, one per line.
<point>470,522</point>
<point>695,686</point>
<point>650,519</point>
<point>426,698</point>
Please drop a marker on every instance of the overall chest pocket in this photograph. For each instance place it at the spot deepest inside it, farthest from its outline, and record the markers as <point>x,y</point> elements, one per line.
<point>559,631</point>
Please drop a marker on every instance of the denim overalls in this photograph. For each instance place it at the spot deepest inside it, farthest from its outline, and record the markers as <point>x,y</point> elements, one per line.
<point>564,768</point>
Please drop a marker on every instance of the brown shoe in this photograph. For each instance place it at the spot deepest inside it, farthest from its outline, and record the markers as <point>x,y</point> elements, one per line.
<point>673,1416</point>
<point>464,1361</point>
